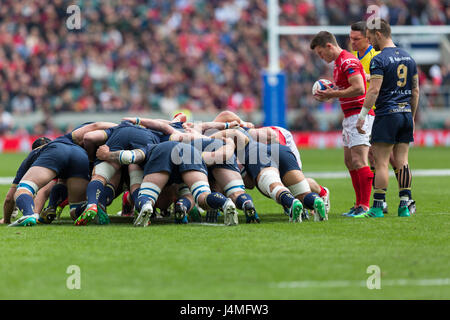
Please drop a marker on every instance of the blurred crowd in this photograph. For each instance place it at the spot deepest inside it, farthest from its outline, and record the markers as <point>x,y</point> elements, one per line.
<point>166,55</point>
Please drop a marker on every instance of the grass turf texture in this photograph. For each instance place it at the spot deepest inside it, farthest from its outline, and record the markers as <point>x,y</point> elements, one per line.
<point>167,261</point>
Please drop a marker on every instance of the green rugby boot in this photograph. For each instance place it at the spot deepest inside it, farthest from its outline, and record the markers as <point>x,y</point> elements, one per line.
<point>320,210</point>
<point>404,212</point>
<point>295,214</point>
<point>24,221</point>
<point>372,213</point>
<point>87,216</point>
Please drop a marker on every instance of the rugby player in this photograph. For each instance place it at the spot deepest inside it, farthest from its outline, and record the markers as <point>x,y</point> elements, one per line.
<point>174,162</point>
<point>59,158</point>
<point>394,89</point>
<point>364,51</point>
<point>349,77</point>
<point>9,205</point>
<point>274,134</point>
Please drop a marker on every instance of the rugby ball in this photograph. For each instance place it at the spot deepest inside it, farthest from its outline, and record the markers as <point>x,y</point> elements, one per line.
<point>321,84</point>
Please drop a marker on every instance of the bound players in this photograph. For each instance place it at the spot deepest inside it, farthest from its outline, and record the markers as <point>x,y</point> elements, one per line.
<point>349,77</point>
<point>394,89</point>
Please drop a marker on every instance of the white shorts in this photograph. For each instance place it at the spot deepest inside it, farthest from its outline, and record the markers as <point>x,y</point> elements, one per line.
<point>291,144</point>
<point>350,135</point>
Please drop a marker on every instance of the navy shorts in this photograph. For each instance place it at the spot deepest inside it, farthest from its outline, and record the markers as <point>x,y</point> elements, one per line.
<point>67,160</point>
<point>255,157</point>
<point>286,160</point>
<point>174,158</point>
<point>127,136</point>
<point>393,128</point>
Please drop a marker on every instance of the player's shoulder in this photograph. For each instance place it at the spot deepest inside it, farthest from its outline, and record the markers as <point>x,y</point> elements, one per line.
<point>347,59</point>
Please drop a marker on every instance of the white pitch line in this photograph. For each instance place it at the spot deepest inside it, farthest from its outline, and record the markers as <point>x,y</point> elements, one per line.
<point>350,283</point>
<point>327,175</point>
<point>345,174</point>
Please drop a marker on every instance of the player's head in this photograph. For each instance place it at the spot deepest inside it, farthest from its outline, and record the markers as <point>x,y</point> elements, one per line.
<point>324,44</point>
<point>40,142</point>
<point>358,38</point>
<point>378,32</point>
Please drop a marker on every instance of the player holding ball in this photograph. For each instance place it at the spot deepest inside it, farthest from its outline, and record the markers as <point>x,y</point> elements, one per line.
<point>350,89</point>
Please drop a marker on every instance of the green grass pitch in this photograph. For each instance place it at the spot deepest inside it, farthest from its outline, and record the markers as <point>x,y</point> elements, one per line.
<point>271,260</point>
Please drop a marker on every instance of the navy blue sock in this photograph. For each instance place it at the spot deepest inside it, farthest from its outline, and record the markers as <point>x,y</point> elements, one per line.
<point>215,200</point>
<point>241,199</point>
<point>185,202</point>
<point>141,200</point>
<point>405,195</point>
<point>94,190</point>
<point>107,196</point>
<point>379,197</point>
<point>309,199</point>
<point>286,199</point>
<point>25,204</point>
<point>134,196</point>
<point>57,195</point>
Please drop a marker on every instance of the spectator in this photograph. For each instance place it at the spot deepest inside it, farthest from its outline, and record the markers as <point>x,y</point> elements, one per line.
<point>21,104</point>
<point>6,121</point>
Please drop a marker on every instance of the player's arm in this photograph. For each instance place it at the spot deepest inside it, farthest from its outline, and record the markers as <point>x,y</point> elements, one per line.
<point>414,95</point>
<point>78,134</point>
<point>264,135</point>
<point>229,116</point>
<point>371,98</point>
<point>122,157</point>
<point>42,196</point>
<point>221,155</point>
<point>213,127</point>
<point>9,205</point>
<point>157,125</point>
<point>92,140</point>
<point>355,89</point>
<point>240,140</point>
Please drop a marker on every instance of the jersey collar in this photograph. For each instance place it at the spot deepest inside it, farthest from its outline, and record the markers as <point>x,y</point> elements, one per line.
<point>365,53</point>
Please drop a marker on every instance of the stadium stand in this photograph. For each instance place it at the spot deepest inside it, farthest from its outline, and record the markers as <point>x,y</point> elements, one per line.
<point>205,56</point>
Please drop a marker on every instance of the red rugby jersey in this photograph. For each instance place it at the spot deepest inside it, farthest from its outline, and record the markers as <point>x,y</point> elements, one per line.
<point>345,66</point>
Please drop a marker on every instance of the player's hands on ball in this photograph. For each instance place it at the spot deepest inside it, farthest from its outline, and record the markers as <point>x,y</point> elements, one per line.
<point>102,152</point>
<point>326,94</point>
<point>359,126</point>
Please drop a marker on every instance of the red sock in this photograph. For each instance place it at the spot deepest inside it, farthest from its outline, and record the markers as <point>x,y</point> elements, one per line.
<point>365,176</point>
<point>322,192</point>
<point>64,203</point>
<point>356,186</point>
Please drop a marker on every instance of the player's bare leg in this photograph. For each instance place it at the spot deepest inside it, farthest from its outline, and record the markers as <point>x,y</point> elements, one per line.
<point>33,180</point>
<point>198,184</point>
<point>322,191</point>
<point>103,173</point>
<point>299,187</point>
<point>270,185</point>
<point>404,178</point>
<point>231,184</point>
<point>76,195</point>
<point>149,193</point>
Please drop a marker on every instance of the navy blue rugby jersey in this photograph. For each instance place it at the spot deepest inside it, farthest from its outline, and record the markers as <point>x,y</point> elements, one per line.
<point>397,68</point>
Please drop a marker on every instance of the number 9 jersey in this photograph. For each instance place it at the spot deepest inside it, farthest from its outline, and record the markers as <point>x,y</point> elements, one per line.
<point>397,69</point>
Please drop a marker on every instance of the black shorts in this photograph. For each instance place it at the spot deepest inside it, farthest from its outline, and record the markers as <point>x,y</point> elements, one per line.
<point>393,128</point>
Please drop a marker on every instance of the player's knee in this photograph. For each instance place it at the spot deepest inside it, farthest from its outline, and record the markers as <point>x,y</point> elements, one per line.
<point>26,186</point>
<point>300,189</point>
<point>268,183</point>
<point>200,191</point>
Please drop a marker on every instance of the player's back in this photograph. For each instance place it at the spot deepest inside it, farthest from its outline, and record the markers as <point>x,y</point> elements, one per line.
<point>397,69</point>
